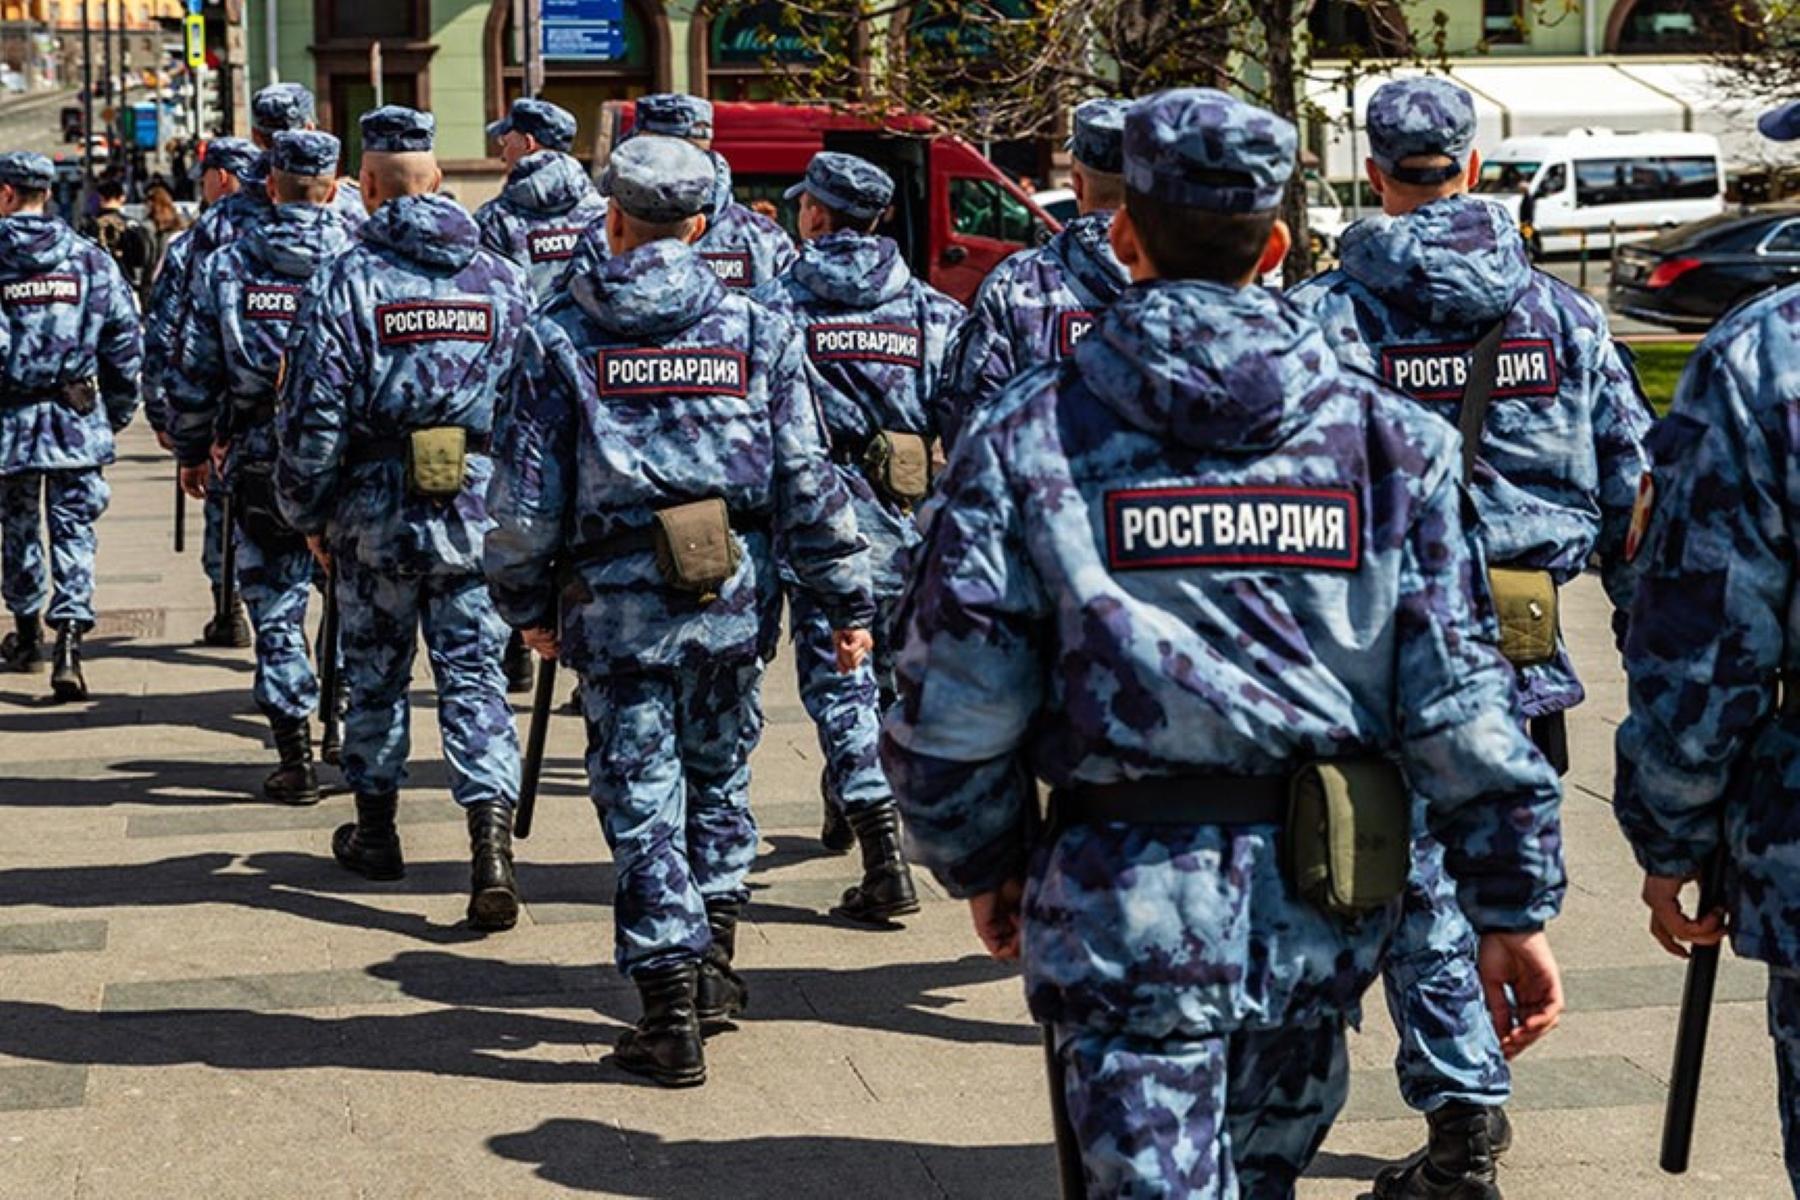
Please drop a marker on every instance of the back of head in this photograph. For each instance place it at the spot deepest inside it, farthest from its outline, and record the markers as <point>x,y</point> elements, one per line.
<point>30,176</point>
<point>1097,146</point>
<point>852,193</point>
<point>282,106</point>
<point>303,165</point>
<point>398,154</point>
<point>1421,141</point>
<point>658,186</point>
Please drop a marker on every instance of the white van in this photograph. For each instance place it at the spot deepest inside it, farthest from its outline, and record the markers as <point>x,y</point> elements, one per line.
<point>1596,181</point>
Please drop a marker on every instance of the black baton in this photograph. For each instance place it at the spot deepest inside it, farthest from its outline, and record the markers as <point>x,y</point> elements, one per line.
<point>328,660</point>
<point>180,515</point>
<point>227,560</point>
<point>1690,1032</point>
<point>539,729</point>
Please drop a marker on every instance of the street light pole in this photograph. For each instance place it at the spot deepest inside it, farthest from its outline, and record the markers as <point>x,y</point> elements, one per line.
<point>87,106</point>
<point>106,42</point>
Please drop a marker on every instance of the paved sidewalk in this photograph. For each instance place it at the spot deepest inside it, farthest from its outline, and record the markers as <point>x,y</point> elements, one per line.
<point>194,1001</point>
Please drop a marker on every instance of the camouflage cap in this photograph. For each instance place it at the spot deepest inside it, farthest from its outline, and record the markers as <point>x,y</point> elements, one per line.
<point>307,152</point>
<point>553,127</point>
<point>853,186</point>
<point>1098,136</point>
<point>1781,123</point>
<point>235,156</point>
<point>1423,117</point>
<point>658,179</point>
<point>282,106</point>
<point>395,129</point>
<point>22,168</point>
<point>1200,148</point>
<point>673,114</point>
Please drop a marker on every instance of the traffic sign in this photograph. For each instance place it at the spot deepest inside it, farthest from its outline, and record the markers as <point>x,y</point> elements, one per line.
<point>195,27</point>
<point>583,29</point>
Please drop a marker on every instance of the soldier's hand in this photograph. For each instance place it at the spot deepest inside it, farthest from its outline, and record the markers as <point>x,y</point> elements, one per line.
<point>164,440</point>
<point>1523,986</point>
<point>219,451</point>
<point>1669,925</point>
<point>997,922</point>
<point>195,479</point>
<point>853,645</point>
<point>315,542</point>
<point>542,642</point>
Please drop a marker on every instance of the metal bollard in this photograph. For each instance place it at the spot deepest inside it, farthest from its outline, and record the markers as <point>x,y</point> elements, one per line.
<point>1582,276</point>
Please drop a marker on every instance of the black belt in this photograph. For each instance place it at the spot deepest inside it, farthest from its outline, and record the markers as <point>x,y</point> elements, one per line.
<point>249,416</point>
<point>368,450</point>
<point>55,395</point>
<point>642,539</point>
<point>1175,800</point>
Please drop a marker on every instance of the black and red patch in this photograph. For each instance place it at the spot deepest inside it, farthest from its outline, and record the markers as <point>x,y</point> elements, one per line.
<point>414,321</point>
<point>271,302</point>
<point>698,371</point>
<point>733,267</point>
<point>1525,367</point>
<point>40,290</point>
<point>1071,326</point>
<point>1161,528</point>
<point>902,345</point>
<point>552,245</point>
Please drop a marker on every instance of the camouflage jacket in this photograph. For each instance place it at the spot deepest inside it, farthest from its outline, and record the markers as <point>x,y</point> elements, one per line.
<point>539,218</point>
<point>245,301</point>
<point>1203,548</point>
<point>1705,758</point>
<point>1030,311</point>
<point>69,315</point>
<point>1562,447</point>
<point>875,341</point>
<point>652,385</point>
<point>414,327</point>
<point>744,248</point>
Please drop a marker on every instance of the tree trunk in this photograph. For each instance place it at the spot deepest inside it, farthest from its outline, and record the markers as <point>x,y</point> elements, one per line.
<point>1278,34</point>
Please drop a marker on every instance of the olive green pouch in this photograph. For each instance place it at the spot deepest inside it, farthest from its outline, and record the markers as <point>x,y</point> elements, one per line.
<point>900,465</point>
<point>695,549</point>
<point>435,461</point>
<point>1349,835</point>
<point>1525,602</point>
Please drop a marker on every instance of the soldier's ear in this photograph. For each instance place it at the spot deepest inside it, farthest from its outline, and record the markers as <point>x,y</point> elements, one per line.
<point>1122,235</point>
<point>1474,176</point>
<point>1377,180</point>
<point>1275,252</point>
<point>698,229</point>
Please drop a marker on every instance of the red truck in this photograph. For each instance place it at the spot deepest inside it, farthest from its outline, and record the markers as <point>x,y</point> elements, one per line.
<point>954,214</point>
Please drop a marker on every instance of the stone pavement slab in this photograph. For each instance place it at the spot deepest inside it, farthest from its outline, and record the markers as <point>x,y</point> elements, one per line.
<point>195,1001</point>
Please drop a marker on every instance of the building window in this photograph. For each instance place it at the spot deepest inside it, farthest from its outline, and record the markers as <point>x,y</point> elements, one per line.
<point>345,28</point>
<point>1677,27</point>
<point>588,72</point>
<point>1340,28</point>
<point>748,45</point>
<point>1503,22</point>
<point>344,20</point>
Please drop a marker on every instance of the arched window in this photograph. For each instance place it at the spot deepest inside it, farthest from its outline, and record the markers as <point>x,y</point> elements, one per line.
<point>585,74</point>
<point>1674,27</point>
<point>1340,28</point>
<point>741,47</point>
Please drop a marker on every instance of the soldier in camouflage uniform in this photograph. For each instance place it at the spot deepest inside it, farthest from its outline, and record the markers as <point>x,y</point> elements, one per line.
<point>1034,307</point>
<point>1164,579</point>
<point>652,393</point>
<point>407,338</point>
<point>71,350</point>
<point>288,106</point>
<point>1708,757</point>
<point>232,175</point>
<point>875,341</point>
<point>221,397</point>
<point>1561,454</point>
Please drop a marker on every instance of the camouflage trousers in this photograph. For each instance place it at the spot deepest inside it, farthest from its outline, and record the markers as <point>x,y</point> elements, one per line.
<point>1784,1027</point>
<point>668,765</point>
<point>846,709</point>
<point>212,536</point>
<point>1213,1118</point>
<point>1448,1048</point>
<point>275,582</point>
<point>68,502</point>
<point>380,618</point>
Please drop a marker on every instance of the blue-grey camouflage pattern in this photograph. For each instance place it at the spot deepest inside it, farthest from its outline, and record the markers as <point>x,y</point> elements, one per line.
<point>552,125</point>
<point>744,248</point>
<point>1562,449</point>
<point>875,341</point>
<point>282,106</point>
<point>845,183</point>
<point>415,326</point>
<point>541,215</point>
<point>1189,1117</point>
<point>1028,655</point>
<point>397,129</point>
<point>1097,134</point>
<point>71,501</point>
<point>1180,144</point>
<point>245,301</point>
<point>1422,117</point>
<point>668,765</point>
<point>658,179</point>
<point>27,169</point>
<point>1784,1028</point>
<point>648,386</point>
<point>1032,309</point>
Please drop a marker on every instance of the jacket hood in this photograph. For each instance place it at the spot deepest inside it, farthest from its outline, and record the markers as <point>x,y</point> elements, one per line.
<point>1212,367</point>
<point>548,184</point>
<point>432,231</point>
<point>722,197</point>
<point>1455,262</point>
<point>655,290</point>
<point>297,238</point>
<point>31,243</point>
<point>856,270</point>
<point>1085,254</point>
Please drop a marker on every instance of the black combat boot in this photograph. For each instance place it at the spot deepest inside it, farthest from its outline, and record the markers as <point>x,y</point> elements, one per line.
<point>721,993</point>
<point>331,741</point>
<point>232,630</point>
<point>493,892</point>
<point>517,664</point>
<point>371,846</point>
<point>665,1045</point>
<point>66,682</point>
<point>23,649</point>
<point>886,890</point>
<point>835,835</point>
<point>1457,1162</point>
<point>293,781</point>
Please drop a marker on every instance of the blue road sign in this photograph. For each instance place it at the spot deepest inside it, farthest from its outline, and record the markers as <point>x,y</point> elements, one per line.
<point>583,29</point>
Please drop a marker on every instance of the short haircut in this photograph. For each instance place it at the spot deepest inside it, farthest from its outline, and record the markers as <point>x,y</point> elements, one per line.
<point>402,173</point>
<point>838,222</point>
<point>111,189</point>
<point>301,189</point>
<point>1101,188</point>
<point>31,197</point>
<point>656,231</point>
<point>1185,242</point>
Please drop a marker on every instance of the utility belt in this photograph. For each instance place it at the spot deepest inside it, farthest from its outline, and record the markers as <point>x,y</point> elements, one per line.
<point>436,457</point>
<point>80,397</point>
<point>1346,842</point>
<point>256,511</point>
<point>1525,601</point>
<point>694,545</point>
<point>896,464</point>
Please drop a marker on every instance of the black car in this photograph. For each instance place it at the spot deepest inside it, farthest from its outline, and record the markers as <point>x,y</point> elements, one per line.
<point>1691,276</point>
